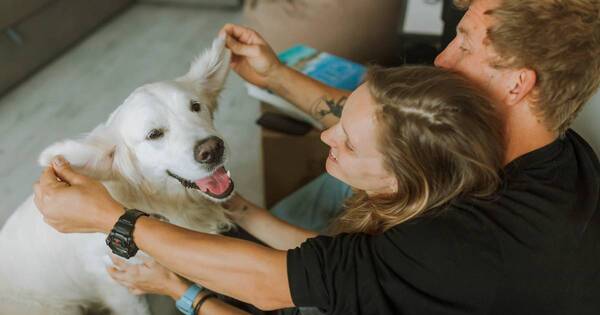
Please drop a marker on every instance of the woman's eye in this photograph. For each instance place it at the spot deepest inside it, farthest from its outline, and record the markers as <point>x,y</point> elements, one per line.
<point>155,134</point>
<point>195,106</point>
<point>348,146</point>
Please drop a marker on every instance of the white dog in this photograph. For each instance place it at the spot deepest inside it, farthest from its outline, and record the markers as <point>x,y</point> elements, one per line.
<point>158,152</point>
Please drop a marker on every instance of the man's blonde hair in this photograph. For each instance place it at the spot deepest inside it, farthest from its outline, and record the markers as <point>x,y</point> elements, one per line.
<point>560,41</point>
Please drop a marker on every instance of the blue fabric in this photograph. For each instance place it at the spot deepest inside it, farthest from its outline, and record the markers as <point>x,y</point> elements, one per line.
<point>314,205</point>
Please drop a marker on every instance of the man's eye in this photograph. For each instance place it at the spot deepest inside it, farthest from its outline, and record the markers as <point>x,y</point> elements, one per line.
<point>155,134</point>
<point>195,106</point>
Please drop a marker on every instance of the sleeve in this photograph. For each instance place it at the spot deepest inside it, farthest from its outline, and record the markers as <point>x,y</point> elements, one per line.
<point>432,265</point>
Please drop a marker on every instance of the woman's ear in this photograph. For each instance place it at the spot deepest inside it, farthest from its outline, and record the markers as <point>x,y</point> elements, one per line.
<point>92,155</point>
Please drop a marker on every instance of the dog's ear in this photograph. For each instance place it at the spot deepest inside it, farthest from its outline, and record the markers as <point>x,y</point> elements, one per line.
<point>208,72</point>
<point>93,155</point>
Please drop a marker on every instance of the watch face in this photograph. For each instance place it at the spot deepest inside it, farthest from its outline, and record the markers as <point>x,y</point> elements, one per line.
<point>119,245</point>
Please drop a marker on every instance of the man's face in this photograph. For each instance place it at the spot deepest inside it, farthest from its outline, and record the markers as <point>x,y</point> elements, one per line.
<point>471,53</point>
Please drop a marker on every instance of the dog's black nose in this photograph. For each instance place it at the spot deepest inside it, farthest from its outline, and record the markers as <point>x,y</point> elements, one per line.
<point>209,150</point>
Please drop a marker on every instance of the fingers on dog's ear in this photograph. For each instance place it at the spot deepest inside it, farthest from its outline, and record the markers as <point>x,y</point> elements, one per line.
<point>48,178</point>
<point>241,49</point>
<point>63,170</point>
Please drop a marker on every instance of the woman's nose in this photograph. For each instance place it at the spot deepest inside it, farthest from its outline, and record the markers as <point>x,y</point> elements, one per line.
<point>326,136</point>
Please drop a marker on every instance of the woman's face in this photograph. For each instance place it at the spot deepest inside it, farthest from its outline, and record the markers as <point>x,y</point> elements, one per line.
<point>354,158</point>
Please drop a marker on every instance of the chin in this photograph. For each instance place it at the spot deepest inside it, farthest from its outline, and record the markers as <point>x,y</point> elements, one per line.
<point>332,169</point>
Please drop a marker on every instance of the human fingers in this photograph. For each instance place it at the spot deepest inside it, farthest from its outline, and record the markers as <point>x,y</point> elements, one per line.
<point>118,262</point>
<point>239,48</point>
<point>147,260</point>
<point>43,188</point>
<point>136,291</point>
<point>242,34</point>
<point>49,179</point>
<point>62,169</point>
<point>119,276</point>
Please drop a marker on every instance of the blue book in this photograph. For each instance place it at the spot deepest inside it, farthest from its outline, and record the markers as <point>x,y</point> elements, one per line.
<point>327,68</point>
<point>330,69</point>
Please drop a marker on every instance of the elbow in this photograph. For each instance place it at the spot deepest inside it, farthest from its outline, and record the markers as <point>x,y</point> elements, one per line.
<point>267,304</point>
<point>268,297</point>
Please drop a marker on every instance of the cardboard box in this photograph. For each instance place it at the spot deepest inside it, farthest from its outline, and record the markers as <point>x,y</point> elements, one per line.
<point>359,30</point>
<point>289,162</point>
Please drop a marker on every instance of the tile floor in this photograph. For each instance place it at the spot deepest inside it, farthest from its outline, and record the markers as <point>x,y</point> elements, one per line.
<point>81,88</point>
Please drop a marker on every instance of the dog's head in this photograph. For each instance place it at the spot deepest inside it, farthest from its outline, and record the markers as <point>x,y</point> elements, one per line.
<point>162,137</point>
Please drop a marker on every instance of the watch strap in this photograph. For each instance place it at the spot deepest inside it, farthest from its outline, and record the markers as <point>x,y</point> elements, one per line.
<point>185,304</point>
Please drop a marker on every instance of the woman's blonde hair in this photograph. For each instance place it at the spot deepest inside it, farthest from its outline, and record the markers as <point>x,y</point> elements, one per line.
<point>440,137</point>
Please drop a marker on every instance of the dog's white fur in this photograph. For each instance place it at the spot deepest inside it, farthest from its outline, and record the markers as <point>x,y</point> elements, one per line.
<point>46,272</point>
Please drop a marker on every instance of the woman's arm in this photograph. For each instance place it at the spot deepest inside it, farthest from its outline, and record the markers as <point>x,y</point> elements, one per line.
<point>320,101</point>
<point>153,278</point>
<point>266,227</point>
<point>255,61</point>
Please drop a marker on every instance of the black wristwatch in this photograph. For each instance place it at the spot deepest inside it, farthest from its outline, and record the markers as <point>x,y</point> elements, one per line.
<point>120,238</point>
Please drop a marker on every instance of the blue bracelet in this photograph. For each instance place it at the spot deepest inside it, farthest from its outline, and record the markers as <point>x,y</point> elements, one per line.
<point>185,304</point>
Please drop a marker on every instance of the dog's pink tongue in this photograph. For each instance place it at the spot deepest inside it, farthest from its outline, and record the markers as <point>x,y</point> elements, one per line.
<point>217,183</point>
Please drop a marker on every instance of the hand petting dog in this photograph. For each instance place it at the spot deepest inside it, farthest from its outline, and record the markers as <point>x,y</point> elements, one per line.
<point>150,277</point>
<point>74,203</point>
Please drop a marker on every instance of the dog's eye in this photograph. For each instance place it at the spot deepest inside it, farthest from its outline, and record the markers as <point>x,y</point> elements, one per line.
<point>155,134</point>
<point>195,106</point>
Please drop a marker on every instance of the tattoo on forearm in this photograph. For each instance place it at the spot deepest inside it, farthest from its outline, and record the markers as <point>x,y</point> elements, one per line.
<point>334,107</point>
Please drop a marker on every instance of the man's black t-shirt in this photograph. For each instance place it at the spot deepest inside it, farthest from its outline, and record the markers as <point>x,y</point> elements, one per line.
<point>533,249</point>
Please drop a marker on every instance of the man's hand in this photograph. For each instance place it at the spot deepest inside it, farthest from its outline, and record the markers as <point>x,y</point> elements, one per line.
<point>71,202</point>
<point>252,57</point>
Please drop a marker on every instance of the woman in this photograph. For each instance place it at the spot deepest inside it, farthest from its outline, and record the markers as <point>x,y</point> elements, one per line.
<point>418,145</point>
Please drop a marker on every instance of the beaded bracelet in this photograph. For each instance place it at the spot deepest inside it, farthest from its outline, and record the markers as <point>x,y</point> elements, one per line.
<point>202,300</point>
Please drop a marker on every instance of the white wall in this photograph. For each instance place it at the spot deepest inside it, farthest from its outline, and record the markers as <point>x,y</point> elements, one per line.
<point>587,123</point>
<point>423,17</point>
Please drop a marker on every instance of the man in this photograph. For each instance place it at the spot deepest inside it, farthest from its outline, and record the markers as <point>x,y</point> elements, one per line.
<point>535,249</point>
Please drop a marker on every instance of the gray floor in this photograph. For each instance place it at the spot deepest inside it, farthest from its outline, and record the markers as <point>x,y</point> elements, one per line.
<point>80,89</point>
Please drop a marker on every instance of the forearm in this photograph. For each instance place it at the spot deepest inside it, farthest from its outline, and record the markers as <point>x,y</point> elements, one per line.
<point>319,100</point>
<point>266,227</point>
<point>246,271</point>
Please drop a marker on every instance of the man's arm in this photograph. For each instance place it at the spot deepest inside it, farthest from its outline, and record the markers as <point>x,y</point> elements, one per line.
<point>246,271</point>
<point>243,270</point>
<point>266,227</point>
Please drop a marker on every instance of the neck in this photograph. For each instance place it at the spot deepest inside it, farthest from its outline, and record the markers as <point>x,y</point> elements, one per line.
<point>524,132</point>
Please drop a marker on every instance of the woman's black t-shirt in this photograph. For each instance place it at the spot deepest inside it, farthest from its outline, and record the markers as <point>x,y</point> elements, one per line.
<point>533,249</point>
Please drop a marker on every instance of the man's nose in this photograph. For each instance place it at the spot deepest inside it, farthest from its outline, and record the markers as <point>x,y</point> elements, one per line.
<point>444,59</point>
<point>209,150</point>
<point>440,61</point>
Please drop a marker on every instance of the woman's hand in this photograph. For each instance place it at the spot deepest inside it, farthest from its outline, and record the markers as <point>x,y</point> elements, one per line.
<point>71,202</point>
<point>252,57</point>
<point>237,208</point>
<point>148,278</point>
